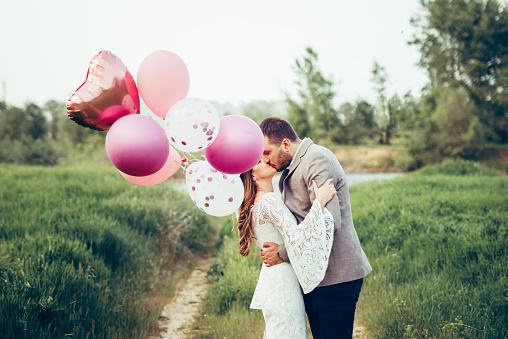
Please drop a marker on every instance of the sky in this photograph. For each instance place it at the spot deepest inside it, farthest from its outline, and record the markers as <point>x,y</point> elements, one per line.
<point>235,51</point>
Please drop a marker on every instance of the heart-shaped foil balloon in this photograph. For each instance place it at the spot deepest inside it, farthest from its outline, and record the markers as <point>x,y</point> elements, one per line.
<point>108,83</point>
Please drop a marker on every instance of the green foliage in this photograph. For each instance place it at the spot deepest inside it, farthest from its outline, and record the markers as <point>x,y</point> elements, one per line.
<point>359,124</point>
<point>79,247</point>
<point>23,136</point>
<point>438,244</point>
<point>314,113</point>
<point>465,43</point>
<point>458,168</point>
<point>386,106</point>
<point>451,130</point>
<point>299,118</point>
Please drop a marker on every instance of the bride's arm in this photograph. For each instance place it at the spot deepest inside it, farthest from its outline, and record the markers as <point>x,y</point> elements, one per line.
<point>308,244</point>
<point>274,210</point>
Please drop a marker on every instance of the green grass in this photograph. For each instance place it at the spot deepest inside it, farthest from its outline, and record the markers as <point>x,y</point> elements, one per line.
<point>80,249</point>
<point>437,241</point>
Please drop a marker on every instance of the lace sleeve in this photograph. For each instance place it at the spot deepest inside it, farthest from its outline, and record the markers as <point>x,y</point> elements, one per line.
<point>308,244</point>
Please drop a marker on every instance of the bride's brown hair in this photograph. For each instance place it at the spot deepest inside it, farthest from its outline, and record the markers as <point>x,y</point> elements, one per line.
<point>245,230</point>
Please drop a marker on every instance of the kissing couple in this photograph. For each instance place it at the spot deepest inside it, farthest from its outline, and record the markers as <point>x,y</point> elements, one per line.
<point>312,258</point>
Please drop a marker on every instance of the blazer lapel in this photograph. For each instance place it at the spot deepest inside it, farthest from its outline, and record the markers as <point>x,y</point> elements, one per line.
<point>287,173</point>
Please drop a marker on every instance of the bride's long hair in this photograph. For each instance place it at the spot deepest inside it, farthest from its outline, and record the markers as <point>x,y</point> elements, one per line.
<point>245,230</point>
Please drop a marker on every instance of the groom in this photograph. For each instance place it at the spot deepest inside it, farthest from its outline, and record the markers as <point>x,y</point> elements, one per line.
<point>331,306</point>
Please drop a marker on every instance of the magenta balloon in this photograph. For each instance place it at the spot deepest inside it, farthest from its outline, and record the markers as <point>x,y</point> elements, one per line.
<point>163,79</point>
<point>137,145</point>
<point>238,147</point>
<point>170,167</point>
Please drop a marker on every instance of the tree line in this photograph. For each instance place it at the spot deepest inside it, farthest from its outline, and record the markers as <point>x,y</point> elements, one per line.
<point>35,135</point>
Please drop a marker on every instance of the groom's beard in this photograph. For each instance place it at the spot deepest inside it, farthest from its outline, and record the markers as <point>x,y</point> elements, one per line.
<point>284,159</point>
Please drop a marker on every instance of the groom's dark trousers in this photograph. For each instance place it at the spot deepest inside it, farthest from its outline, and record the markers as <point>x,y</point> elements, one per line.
<point>331,309</point>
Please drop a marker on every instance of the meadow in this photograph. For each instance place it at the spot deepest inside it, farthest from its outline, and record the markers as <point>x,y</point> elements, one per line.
<point>86,254</point>
<point>437,241</point>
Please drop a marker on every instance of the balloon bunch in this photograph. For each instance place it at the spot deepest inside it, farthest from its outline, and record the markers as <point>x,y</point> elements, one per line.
<point>145,152</point>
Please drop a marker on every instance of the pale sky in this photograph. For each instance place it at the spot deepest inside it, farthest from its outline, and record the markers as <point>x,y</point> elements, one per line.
<point>236,51</point>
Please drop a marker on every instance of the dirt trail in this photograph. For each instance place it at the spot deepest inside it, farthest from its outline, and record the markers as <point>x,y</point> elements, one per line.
<point>178,316</point>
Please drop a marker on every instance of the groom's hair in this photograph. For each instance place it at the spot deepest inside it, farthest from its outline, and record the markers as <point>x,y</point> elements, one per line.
<point>277,130</point>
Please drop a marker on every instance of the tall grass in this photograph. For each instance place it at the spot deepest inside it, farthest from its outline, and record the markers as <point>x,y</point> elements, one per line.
<point>437,240</point>
<point>80,247</point>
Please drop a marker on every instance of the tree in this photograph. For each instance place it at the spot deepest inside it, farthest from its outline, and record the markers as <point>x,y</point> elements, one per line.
<point>386,106</point>
<point>299,118</point>
<point>316,98</point>
<point>465,43</point>
<point>23,136</point>
<point>17,123</point>
<point>452,128</point>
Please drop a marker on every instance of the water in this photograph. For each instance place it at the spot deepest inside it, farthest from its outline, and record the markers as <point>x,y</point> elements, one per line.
<point>352,178</point>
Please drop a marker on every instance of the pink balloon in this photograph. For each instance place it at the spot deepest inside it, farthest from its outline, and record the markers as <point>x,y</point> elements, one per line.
<point>163,79</point>
<point>170,167</point>
<point>238,147</point>
<point>137,145</point>
<point>108,82</point>
<point>112,114</point>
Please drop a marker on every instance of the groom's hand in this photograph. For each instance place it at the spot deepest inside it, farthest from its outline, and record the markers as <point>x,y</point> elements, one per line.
<point>269,253</point>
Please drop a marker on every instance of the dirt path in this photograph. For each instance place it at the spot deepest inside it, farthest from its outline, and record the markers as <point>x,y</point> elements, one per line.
<point>184,307</point>
<point>178,315</point>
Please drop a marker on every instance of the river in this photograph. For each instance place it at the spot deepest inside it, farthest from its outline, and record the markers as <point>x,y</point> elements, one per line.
<point>352,178</point>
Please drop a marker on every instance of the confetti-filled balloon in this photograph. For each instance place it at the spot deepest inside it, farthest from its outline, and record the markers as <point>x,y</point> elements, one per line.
<point>192,124</point>
<point>215,193</point>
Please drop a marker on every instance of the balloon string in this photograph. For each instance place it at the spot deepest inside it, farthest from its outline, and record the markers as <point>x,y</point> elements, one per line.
<point>233,222</point>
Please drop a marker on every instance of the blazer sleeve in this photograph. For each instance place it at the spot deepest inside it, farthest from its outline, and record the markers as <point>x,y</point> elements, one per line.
<point>320,167</point>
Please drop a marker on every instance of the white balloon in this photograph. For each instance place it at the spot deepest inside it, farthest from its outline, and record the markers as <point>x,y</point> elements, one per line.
<point>191,124</point>
<point>214,192</point>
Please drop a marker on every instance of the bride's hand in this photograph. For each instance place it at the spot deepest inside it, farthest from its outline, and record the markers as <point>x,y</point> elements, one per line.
<point>325,193</point>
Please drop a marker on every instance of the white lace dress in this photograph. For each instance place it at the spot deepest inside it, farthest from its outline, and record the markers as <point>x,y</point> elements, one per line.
<point>278,293</point>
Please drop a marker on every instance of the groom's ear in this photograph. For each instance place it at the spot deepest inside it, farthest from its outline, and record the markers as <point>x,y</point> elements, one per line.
<point>286,144</point>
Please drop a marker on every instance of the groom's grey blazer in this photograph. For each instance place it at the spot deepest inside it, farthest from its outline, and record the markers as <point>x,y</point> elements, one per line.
<point>313,162</point>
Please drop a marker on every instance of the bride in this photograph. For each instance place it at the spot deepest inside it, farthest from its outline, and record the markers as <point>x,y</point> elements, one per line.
<point>263,218</point>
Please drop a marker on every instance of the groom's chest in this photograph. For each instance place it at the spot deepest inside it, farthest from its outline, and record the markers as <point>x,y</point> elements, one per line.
<point>295,194</point>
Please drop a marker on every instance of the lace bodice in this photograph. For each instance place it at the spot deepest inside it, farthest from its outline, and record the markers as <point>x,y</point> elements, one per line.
<point>308,244</point>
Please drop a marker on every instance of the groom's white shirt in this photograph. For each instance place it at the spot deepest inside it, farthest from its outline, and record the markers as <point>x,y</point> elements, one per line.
<point>299,146</point>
